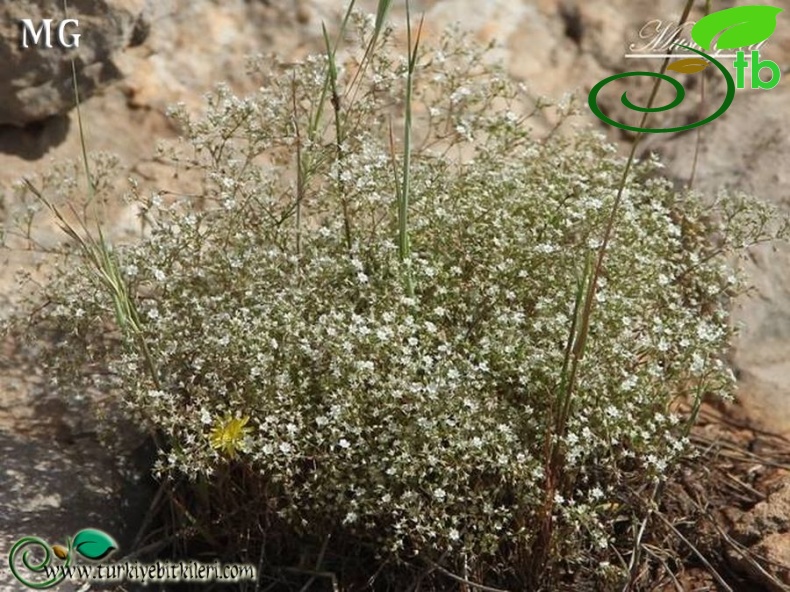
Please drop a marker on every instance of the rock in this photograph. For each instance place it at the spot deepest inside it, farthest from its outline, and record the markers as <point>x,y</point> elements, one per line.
<point>765,531</point>
<point>775,550</point>
<point>36,82</point>
<point>58,476</point>
<point>770,516</point>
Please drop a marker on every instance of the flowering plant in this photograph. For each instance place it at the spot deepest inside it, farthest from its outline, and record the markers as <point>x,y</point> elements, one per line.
<point>414,418</point>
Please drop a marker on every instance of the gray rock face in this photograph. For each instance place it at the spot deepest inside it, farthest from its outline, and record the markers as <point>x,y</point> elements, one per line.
<point>58,474</point>
<point>38,42</point>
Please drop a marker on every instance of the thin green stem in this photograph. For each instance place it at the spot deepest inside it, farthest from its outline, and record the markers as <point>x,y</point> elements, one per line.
<point>331,88</point>
<point>404,245</point>
<point>339,135</point>
<point>698,140</point>
<point>301,171</point>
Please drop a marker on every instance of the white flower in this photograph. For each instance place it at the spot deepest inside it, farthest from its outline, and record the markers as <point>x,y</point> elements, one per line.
<point>459,94</point>
<point>545,248</point>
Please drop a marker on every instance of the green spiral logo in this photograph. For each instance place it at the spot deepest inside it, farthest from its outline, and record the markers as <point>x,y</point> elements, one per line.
<point>39,567</point>
<point>680,94</point>
<point>89,543</point>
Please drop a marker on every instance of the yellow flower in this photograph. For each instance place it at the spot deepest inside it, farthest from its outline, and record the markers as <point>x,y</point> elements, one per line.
<point>229,434</point>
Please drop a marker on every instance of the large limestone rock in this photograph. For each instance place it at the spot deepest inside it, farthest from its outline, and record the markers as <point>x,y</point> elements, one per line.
<point>36,81</point>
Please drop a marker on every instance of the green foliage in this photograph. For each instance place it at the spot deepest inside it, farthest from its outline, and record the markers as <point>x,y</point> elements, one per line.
<point>273,330</point>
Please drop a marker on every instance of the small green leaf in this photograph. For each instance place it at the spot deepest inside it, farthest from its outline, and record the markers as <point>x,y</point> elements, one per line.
<point>94,544</point>
<point>689,65</point>
<point>739,26</point>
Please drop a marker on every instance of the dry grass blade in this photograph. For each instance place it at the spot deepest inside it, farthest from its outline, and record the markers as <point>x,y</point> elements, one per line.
<point>638,545</point>
<point>737,452</point>
<point>318,563</point>
<point>701,556</point>
<point>463,581</point>
<point>647,549</point>
<point>316,574</point>
<point>751,557</point>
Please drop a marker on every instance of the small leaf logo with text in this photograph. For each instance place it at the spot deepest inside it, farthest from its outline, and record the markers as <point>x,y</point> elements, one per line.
<point>731,28</point>
<point>88,543</point>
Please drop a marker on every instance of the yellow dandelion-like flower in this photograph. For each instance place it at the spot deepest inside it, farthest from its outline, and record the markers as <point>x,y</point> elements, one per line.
<point>229,434</point>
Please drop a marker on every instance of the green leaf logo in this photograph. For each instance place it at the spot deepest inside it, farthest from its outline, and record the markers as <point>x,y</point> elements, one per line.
<point>739,27</point>
<point>94,544</point>
<point>689,65</point>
